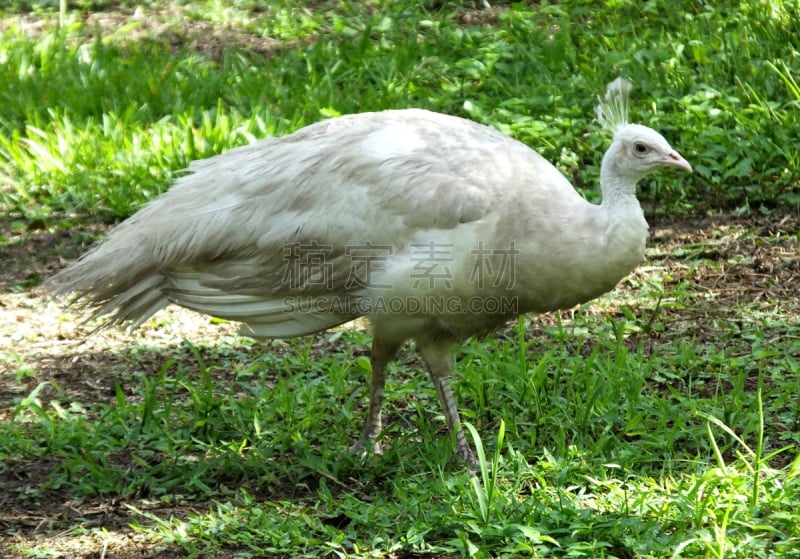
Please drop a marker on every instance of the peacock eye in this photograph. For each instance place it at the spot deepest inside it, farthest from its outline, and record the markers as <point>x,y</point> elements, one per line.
<point>640,148</point>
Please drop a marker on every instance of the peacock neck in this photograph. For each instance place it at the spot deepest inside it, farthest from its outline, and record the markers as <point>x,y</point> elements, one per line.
<point>625,235</point>
<point>618,188</point>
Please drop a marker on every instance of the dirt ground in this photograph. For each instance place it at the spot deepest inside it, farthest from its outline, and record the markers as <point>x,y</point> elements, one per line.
<point>731,262</point>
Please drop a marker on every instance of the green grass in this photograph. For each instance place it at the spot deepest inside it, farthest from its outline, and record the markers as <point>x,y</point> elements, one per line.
<point>630,433</point>
<point>96,122</point>
<point>614,454</point>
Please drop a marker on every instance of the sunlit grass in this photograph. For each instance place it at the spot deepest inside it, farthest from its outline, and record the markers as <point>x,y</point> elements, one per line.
<point>531,73</point>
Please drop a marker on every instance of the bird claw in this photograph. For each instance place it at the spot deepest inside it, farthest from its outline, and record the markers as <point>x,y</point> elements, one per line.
<point>362,447</point>
<point>468,458</point>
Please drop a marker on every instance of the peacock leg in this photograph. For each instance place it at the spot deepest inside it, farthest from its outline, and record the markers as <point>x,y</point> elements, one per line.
<point>382,353</point>
<point>438,357</point>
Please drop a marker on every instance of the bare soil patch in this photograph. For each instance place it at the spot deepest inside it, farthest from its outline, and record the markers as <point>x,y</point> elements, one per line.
<point>171,24</point>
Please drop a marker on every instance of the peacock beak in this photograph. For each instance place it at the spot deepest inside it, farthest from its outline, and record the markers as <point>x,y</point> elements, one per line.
<point>675,159</point>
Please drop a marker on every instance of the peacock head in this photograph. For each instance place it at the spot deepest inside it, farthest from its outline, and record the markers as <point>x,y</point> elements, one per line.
<point>636,150</point>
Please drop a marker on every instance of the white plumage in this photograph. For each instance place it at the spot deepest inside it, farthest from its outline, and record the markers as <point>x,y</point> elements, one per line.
<point>433,227</point>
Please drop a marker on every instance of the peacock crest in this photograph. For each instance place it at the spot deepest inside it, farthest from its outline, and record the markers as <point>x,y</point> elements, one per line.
<point>612,110</point>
